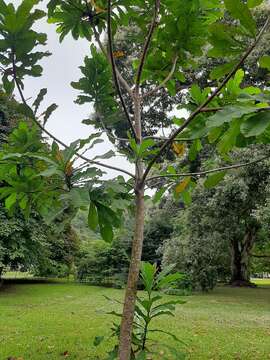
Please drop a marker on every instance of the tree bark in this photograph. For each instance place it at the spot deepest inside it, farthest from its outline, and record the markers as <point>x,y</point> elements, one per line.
<point>137,245</point>
<point>240,275</point>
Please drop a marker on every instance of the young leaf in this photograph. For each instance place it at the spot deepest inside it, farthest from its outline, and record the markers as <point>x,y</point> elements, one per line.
<point>148,272</point>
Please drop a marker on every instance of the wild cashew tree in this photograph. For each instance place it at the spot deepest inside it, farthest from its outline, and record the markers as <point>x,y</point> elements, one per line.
<point>172,37</point>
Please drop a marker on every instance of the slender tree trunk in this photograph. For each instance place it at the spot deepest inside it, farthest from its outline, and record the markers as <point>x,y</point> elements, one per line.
<point>240,275</point>
<point>137,245</point>
<point>131,289</point>
<point>1,272</point>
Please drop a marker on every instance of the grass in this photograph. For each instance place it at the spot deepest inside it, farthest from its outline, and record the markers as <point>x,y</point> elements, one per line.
<point>43,321</point>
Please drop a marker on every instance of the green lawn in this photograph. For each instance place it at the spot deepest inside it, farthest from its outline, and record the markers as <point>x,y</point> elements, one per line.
<point>42,321</point>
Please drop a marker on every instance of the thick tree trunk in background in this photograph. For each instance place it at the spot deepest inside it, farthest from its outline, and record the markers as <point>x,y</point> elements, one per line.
<point>240,275</point>
<point>131,289</point>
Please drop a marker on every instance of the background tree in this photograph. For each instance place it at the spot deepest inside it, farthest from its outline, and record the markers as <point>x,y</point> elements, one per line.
<point>219,230</point>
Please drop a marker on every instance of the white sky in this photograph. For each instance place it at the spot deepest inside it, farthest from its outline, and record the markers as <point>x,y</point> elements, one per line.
<point>59,70</point>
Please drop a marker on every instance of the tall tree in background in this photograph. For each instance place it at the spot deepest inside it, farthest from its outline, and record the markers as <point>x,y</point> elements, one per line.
<point>216,234</point>
<point>173,35</point>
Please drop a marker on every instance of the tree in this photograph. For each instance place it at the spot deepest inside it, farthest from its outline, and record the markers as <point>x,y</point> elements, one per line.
<point>218,231</point>
<point>173,35</point>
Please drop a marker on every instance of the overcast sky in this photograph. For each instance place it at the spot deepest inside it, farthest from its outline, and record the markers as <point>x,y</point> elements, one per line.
<point>60,69</point>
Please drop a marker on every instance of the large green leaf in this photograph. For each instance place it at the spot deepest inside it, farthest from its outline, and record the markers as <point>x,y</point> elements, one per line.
<point>256,124</point>
<point>228,114</point>
<point>228,140</point>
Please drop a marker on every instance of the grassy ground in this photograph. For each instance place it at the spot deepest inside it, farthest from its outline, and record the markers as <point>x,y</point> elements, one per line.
<point>44,321</point>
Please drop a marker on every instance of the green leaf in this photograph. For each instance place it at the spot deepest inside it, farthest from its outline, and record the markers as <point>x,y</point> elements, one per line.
<point>158,195</point>
<point>186,197</point>
<point>10,201</point>
<point>168,280</point>
<point>39,99</point>
<point>49,112</point>
<point>92,216</point>
<point>228,114</point>
<point>106,232</point>
<point>196,94</point>
<point>221,70</point>
<point>256,124</point>
<point>265,62</point>
<point>107,155</point>
<point>148,272</point>
<point>239,10</point>
<point>144,146</point>
<point>254,3</point>
<point>214,179</point>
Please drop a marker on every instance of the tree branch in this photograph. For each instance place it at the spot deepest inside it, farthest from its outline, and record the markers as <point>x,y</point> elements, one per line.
<point>120,77</point>
<point>147,44</point>
<point>207,101</point>
<point>110,45</point>
<point>260,256</point>
<point>55,138</point>
<point>206,172</point>
<point>164,82</point>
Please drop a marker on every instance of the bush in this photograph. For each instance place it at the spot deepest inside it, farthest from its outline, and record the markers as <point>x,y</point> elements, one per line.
<point>104,265</point>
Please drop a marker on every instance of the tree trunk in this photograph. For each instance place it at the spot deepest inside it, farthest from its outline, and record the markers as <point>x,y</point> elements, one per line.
<point>240,275</point>
<point>1,272</point>
<point>133,276</point>
<point>137,245</point>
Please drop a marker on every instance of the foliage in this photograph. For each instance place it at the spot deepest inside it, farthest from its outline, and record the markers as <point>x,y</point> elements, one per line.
<point>103,264</point>
<point>219,217</point>
<point>147,309</point>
